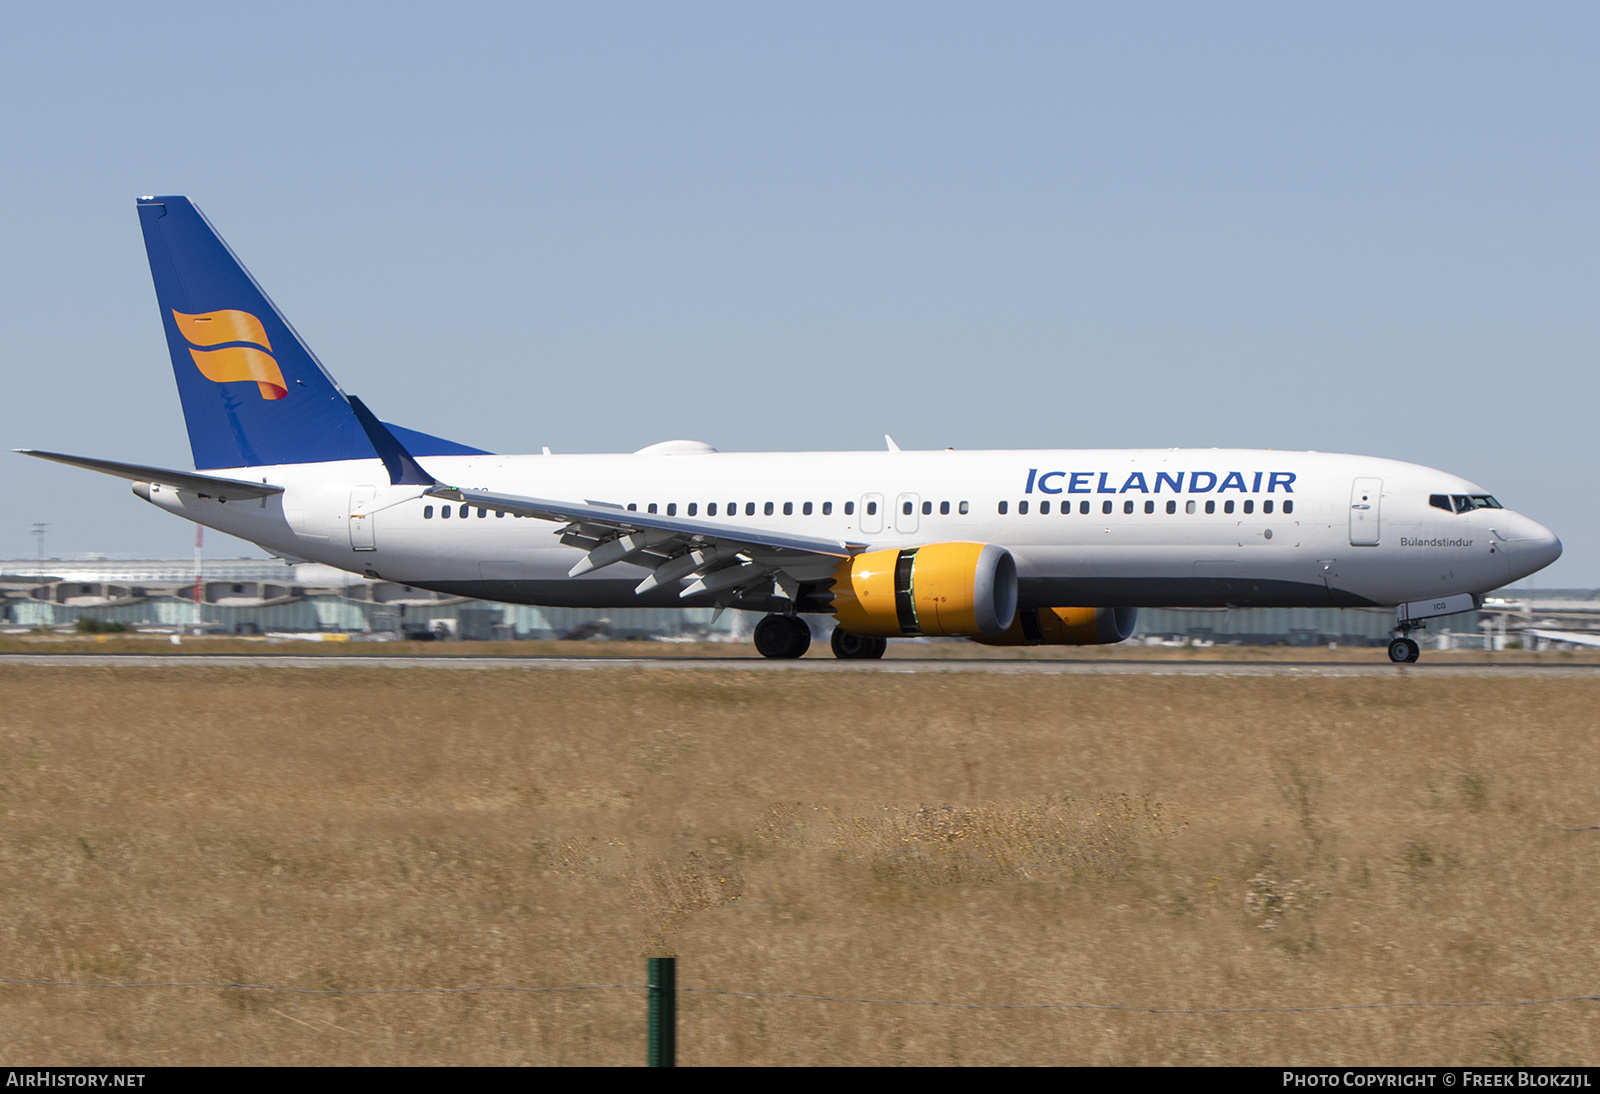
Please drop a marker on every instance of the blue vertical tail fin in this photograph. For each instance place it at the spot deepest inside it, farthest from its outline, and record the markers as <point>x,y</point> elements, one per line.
<point>253,393</point>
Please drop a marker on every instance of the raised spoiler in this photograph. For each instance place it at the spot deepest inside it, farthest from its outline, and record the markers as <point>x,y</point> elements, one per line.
<point>211,486</point>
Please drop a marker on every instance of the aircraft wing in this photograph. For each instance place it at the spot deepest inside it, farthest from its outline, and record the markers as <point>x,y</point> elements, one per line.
<point>712,557</point>
<point>205,485</point>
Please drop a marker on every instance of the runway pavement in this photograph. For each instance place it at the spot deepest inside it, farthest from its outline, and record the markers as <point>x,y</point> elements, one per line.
<point>1440,666</point>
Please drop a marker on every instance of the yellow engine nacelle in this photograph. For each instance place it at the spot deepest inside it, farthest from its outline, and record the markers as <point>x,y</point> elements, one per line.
<point>962,589</point>
<point>1065,627</point>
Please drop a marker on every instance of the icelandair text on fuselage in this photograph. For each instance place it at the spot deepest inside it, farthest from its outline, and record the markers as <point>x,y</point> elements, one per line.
<point>1429,1079</point>
<point>1137,482</point>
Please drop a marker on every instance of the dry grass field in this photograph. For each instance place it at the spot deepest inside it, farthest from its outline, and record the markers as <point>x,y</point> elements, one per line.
<point>1185,845</point>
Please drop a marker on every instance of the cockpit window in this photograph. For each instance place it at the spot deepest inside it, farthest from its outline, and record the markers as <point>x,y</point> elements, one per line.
<point>1463,503</point>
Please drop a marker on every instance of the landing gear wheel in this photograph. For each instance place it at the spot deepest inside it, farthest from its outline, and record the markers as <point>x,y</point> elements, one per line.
<point>855,647</point>
<point>782,637</point>
<point>1403,651</point>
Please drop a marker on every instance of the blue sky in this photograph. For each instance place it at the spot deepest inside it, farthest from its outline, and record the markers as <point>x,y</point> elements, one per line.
<point>1354,227</point>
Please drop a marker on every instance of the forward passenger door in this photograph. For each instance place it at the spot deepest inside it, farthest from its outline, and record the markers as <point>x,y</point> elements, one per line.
<point>1366,495</point>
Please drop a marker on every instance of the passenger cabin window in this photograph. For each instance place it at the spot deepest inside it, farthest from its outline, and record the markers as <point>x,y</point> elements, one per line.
<point>711,509</point>
<point>1211,507</point>
<point>1149,507</point>
<point>849,508</point>
<point>1106,507</point>
<point>1022,507</point>
<point>694,507</point>
<point>1266,506</point>
<point>906,508</point>
<point>1002,509</point>
<point>805,510</point>
<point>927,508</point>
<point>1288,506</point>
<point>964,509</point>
<point>444,512</point>
<point>766,510</point>
<point>1083,508</point>
<point>944,509</point>
<point>750,508</point>
<point>427,512</point>
<point>1188,506</point>
<point>1044,508</point>
<point>1172,506</point>
<point>672,508</point>
<point>1249,507</point>
<point>1127,506</point>
<point>827,508</point>
<point>652,507</point>
<point>872,508</point>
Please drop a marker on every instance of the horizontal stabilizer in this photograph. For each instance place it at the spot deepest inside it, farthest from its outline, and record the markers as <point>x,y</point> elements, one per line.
<point>211,485</point>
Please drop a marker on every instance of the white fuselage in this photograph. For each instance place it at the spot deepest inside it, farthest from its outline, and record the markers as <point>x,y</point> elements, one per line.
<point>1290,529</point>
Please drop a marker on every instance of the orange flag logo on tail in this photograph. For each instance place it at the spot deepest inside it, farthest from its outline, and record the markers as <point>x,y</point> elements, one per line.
<point>233,363</point>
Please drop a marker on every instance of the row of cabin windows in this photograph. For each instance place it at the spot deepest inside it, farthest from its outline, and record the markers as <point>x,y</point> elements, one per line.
<point>466,511</point>
<point>1149,507</point>
<point>768,509</point>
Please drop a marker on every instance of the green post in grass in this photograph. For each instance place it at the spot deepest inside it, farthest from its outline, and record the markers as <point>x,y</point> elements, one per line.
<point>662,979</point>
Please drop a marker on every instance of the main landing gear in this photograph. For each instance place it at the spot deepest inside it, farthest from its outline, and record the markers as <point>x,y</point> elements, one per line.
<point>787,636</point>
<point>855,647</point>
<point>782,636</point>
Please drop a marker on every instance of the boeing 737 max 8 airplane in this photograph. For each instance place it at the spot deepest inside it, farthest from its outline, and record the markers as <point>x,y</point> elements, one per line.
<point>1007,548</point>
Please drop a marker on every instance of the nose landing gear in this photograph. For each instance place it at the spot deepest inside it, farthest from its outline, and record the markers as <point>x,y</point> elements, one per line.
<point>1404,651</point>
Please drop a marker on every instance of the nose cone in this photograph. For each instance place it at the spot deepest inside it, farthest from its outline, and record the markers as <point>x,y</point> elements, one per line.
<point>1544,550</point>
<point>1532,546</point>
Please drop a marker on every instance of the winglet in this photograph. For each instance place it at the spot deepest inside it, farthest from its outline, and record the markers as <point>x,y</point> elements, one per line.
<point>403,470</point>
